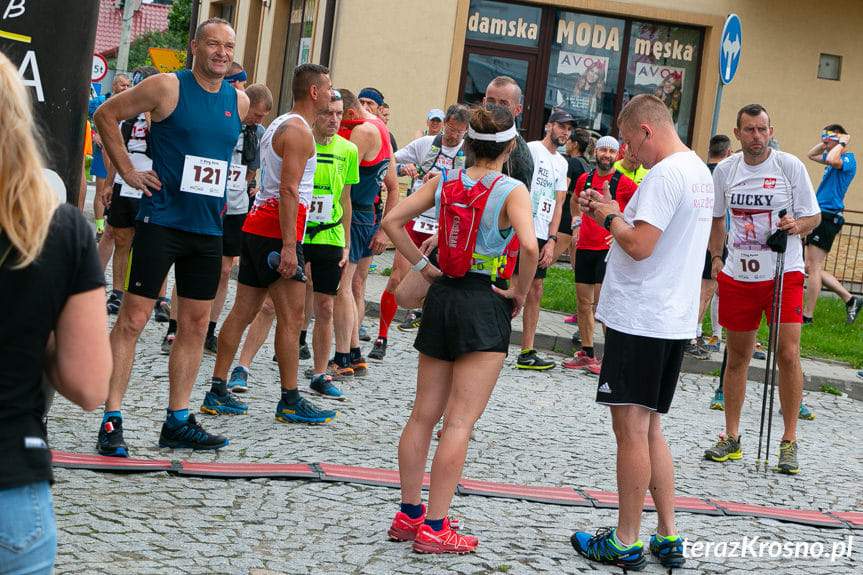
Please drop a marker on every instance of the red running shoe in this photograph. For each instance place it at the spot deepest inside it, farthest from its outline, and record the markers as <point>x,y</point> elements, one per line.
<point>572,319</point>
<point>444,541</point>
<point>405,529</point>
<point>579,361</point>
<point>595,367</point>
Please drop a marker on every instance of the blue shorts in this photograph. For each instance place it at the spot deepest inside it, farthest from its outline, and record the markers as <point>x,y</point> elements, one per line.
<point>97,166</point>
<point>364,225</point>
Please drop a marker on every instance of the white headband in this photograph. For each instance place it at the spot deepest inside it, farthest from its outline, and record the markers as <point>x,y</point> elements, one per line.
<point>504,136</point>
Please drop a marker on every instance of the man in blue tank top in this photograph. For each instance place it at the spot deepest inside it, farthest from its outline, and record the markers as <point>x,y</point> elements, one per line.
<point>195,122</point>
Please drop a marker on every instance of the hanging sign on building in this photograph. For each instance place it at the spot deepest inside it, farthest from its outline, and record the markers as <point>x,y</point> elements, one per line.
<point>52,46</point>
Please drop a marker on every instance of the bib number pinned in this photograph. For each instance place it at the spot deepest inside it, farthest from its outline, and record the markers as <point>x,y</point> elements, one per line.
<point>237,178</point>
<point>424,224</point>
<point>204,176</point>
<point>321,208</point>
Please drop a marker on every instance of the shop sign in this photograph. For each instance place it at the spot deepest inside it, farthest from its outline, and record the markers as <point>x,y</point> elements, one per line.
<point>506,23</point>
<point>588,34</point>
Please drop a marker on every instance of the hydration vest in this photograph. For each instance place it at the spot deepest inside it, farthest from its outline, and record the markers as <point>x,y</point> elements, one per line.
<point>460,215</point>
<point>612,184</point>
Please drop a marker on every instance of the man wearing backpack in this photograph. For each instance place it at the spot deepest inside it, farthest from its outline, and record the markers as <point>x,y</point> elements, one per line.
<point>421,159</point>
<point>547,192</point>
<point>592,248</point>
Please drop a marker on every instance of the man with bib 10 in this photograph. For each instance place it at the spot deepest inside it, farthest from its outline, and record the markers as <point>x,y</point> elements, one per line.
<point>195,121</point>
<point>756,185</point>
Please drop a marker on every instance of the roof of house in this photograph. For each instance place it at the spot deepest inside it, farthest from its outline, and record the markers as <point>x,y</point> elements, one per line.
<point>149,17</point>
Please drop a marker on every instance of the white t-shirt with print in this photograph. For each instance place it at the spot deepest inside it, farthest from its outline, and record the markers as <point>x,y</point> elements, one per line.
<point>658,296</point>
<point>754,196</point>
<point>549,177</point>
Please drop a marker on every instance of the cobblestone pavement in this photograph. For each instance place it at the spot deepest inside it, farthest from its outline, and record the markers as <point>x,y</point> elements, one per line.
<point>539,429</point>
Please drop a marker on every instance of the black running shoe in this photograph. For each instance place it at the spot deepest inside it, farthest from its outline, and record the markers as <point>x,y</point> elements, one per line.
<point>167,342</point>
<point>114,301</point>
<point>162,310</point>
<point>304,352</point>
<point>851,308</point>
<point>110,441</point>
<point>379,349</point>
<point>529,359</point>
<point>415,317</point>
<point>211,345</point>
<point>191,436</point>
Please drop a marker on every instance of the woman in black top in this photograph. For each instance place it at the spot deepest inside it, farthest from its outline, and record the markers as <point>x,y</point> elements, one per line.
<point>49,268</point>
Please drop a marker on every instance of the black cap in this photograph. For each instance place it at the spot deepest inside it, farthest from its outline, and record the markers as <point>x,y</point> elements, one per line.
<point>560,116</point>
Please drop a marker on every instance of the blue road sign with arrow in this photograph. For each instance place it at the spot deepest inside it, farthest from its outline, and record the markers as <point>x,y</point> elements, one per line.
<point>729,49</point>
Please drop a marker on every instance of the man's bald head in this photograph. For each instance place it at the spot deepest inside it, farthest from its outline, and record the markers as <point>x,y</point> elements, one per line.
<point>645,109</point>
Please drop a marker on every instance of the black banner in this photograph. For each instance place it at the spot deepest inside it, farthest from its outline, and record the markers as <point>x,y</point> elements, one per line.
<point>51,42</point>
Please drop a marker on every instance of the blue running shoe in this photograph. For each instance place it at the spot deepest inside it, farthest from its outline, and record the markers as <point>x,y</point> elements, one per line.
<point>304,411</point>
<point>323,385</point>
<point>239,381</point>
<point>227,404</point>
<point>364,335</point>
<point>669,550</point>
<point>604,548</point>
<point>860,374</point>
<point>111,441</point>
<point>805,413</point>
<point>718,401</point>
<point>191,436</point>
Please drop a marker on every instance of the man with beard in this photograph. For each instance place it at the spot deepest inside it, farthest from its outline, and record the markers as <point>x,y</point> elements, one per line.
<point>765,190</point>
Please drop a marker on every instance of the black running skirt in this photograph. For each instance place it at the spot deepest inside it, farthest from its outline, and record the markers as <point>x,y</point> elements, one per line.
<point>462,315</point>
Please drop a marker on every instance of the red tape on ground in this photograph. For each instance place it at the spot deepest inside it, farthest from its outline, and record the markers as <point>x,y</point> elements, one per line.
<point>805,517</point>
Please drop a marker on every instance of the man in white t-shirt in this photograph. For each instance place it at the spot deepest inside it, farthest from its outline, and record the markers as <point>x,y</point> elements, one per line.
<point>756,185</point>
<point>649,303</point>
<point>547,192</point>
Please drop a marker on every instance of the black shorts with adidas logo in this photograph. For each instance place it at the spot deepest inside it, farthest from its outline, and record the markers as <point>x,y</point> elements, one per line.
<point>639,370</point>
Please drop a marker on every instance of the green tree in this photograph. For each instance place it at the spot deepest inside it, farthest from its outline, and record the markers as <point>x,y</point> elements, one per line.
<point>138,50</point>
<point>180,19</point>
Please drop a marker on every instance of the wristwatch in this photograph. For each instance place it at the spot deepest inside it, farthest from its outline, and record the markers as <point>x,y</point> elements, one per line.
<point>608,218</point>
<point>552,237</point>
<point>843,144</point>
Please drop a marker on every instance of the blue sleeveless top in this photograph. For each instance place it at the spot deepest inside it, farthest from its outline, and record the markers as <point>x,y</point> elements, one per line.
<point>199,136</point>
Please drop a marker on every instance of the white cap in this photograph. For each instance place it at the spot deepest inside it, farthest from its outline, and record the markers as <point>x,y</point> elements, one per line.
<point>608,142</point>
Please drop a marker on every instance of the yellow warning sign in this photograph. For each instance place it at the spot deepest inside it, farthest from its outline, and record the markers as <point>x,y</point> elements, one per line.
<point>166,60</point>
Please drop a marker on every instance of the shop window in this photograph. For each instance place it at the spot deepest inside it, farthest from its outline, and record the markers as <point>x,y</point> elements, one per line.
<point>483,68</point>
<point>297,47</point>
<point>663,61</point>
<point>584,68</point>
<point>226,11</point>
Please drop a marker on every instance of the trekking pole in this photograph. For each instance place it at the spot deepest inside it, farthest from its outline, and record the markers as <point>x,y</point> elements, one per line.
<point>777,242</point>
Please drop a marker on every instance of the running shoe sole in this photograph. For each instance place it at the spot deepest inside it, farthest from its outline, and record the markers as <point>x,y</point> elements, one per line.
<point>220,409</point>
<point>291,418</point>
<point>534,367</point>
<point>735,455</point>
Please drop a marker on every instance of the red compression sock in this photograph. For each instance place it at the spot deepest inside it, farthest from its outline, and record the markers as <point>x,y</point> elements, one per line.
<point>388,312</point>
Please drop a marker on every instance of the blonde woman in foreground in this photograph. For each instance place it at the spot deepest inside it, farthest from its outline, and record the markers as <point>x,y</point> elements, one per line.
<point>50,268</point>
